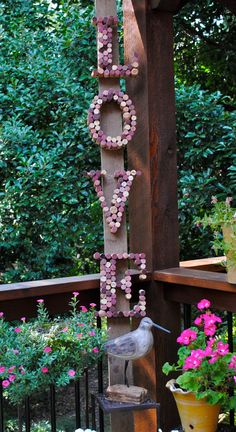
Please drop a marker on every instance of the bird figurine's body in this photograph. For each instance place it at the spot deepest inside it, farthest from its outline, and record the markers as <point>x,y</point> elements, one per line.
<point>135,344</point>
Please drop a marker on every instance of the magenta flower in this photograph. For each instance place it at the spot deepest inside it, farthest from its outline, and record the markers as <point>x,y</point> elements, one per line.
<point>11,369</point>
<point>16,351</point>
<point>93,305</point>
<point>192,362</point>
<point>79,335</point>
<point>2,369</point>
<point>47,349</point>
<point>232,364</point>
<point>71,372</point>
<point>222,349</point>
<point>75,293</point>
<point>235,379</point>
<point>44,369</point>
<point>92,333</point>
<point>1,314</point>
<point>210,331</point>
<point>80,324</point>
<point>5,383</point>
<point>40,301</point>
<point>204,304</point>
<point>83,309</point>
<point>198,321</point>
<point>23,319</point>
<point>95,350</point>
<point>12,378</point>
<point>17,330</point>
<point>186,337</point>
<point>65,329</point>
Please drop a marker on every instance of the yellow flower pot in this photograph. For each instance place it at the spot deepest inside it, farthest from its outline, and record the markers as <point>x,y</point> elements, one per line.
<point>195,415</point>
<point>229,233</point>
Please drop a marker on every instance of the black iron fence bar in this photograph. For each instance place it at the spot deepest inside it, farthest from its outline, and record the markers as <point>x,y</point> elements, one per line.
<point>93,407</point>
<point>1,408</point>
<point>86,379</point>
<point>100,391</point>
<point>77,404</point>
<point>231,348</point>
<point>27,414</point>
<point>53,408</point>
<point>187,315</point>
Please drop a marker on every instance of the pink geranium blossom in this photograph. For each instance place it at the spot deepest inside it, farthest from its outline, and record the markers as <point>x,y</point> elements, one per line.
<point>187,336</point>
<point>92,333</point>
<point>40,301</point>
<point>204,304</point>
<point>23,319</point>
<point>44,369</point>
<point>11,369</point>
<point>75,293</point>
<point>79,335</point>
<point>93,305</point>
<point>5,383</point>
<point>1,314</point>
<point>232,364</point>
<point>2,369</point>
<point>12,378</point>
<point>65,329</point>
<point>83,309</point>
<point>71,372</point>
<point>17,330</point>
<point>222,349</point>
<point>47,349</point>
<point>95,350</point>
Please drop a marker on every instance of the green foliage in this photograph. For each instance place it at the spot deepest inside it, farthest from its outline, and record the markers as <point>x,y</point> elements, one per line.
<point>206,135</point>
<point>46,351</point>
<point>42,426</point>
<point>205,50</point>
<point>46,204</point>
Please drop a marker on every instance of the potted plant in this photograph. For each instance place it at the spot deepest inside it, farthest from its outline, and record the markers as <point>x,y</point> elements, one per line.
<point>222,220</point>
<point>208,372</point>
<point>37,353</point>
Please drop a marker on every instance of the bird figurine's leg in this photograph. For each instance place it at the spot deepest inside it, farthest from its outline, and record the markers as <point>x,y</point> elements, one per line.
<point>125,373</point>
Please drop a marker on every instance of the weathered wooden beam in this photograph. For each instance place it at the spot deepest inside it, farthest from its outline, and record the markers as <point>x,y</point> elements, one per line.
<point>153,205</point>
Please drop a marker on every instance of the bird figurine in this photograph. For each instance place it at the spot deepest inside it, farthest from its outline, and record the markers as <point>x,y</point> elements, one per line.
<point>133,345</point>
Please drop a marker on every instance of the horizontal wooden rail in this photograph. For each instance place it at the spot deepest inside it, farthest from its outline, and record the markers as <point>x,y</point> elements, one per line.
<point>211,264</point>
<point>186,285</point>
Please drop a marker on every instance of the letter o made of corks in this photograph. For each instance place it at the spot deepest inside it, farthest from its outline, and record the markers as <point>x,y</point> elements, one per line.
<point>128,115</point>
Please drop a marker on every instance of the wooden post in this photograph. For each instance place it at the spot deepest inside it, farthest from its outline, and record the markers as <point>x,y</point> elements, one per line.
<point>153,205</point>
<point>112,160</point>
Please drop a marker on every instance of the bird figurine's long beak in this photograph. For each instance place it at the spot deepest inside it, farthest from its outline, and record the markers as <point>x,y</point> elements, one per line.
<point>161,328</point>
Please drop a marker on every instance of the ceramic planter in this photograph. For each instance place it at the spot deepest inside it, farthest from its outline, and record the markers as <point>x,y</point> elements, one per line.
<point>229,233</point>
<point>195,415</point>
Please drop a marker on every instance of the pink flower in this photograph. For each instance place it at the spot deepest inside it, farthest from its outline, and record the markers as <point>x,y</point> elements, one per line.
<point>83,309</point>
<point>186,337</point>
<point>222,349</point>
<point>232,364</point>
<point>47,349</point>
<point>5,383</point>
<point>214,357</point>
<point>17,330</point>
<point>95,350</point>
<point>40,301</point>
<point>191,362</point>
<point>12,378</point>
<point>235,379</point>
<point>214,200</point>
<point>93,305</point>
<point>11,369</point>
<point>198,321</point>
<point>1,314</point>
<point>65,329</point>
<point>75,293</point>
<point>44,369</point>
<point>16,351</point>
<point>204,304</point>
<point>23,319</point>
<point>210,331</point>
<point>80,324</point>
<point>79,335</point>
<point>2,369</point>
<point>92,333</point>
<point>71,372</point>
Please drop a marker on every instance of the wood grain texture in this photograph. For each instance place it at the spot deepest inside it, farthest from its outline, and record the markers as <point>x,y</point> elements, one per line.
<point>153,206</point>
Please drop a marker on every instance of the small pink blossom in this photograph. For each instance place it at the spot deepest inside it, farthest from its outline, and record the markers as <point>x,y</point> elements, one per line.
<point>186,337</point>
<point>5,383</point>
<point>65,329</point>
<point>1,314</point>
<point>191,362</point>
<point>210,330</point>
<point>75,293</point>
<point>17,330</point>
<point>11,369</point>
<point>93,305</point>
<point>95,350</point>
<point>2,369</point>
<point>214,357</point>
<point>214,200</point>
<point>47,349</point>
<point>12,378</point>
<point>40,301</point>
<point>232,364</point>
<point>79,335</point>
<point>83,309</point>
<point>16,351</point>
<point>198,321</point>
<point>235,379</point>
<point>44,369</point>
<point>203,304</point>
<point>23,319</point>
<point>80,324</point>
<point>71,372</point>
<point>222,349</point>
<point>92,333</point>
